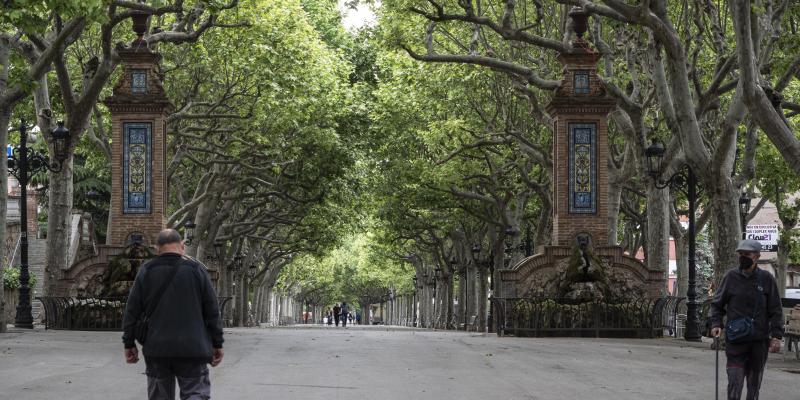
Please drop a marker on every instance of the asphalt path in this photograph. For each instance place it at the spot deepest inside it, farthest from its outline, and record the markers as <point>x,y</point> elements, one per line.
<point>376,363</point>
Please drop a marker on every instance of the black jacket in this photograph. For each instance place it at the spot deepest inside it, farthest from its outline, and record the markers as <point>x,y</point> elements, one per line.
<point>737,296</point>
<point>186,324</point>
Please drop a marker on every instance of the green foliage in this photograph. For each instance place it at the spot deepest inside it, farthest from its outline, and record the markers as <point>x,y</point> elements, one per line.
<point>704,261</point>
<point>352,272</point>
<point>35,15</point>
<point>11,278</point>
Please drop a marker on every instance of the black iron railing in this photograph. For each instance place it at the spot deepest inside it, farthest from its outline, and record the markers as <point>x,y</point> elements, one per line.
<point>91,313</point>
<point>667,309</point>
<point>703,310</point>
<point>548,317</point>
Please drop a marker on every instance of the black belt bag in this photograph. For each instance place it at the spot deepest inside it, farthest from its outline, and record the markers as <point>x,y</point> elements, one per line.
<point>743,329</point>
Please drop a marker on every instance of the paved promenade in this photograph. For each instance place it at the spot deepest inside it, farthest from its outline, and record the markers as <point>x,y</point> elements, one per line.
<point>375,363</point>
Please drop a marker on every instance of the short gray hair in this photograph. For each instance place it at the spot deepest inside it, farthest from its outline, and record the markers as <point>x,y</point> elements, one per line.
<point>168,236</point>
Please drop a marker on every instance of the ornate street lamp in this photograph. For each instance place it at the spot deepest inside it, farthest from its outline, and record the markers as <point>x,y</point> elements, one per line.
<point>23,164</point>
<point>236,266</point>
<point>60,139</point>
<point>252,271</point>
<point>744,210</point>
<point>655,155</point>
<point>189,226</point>
<point>215,254</point>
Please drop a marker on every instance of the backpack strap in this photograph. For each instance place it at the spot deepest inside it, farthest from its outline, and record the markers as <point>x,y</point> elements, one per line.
<point>760,289</point>
<point>160,293</point>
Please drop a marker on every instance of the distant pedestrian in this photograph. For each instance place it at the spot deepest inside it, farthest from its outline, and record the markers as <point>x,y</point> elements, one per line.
<point>184,331</point>
<point>337,313</point>
<point>749,296</point>
<point>345,313</point>
<point>358,318</point>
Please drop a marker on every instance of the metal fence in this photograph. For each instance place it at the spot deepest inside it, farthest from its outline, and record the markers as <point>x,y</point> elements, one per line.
<point>91,313</point>
<point>550,317</point>
<point>667,309</point>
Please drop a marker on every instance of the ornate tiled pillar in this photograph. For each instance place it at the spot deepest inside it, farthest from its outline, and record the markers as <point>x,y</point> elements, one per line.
<point>580,146</point>
<point>139,108</point>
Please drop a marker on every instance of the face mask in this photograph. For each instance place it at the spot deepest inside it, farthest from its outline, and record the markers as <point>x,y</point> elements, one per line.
<point>745,262</point>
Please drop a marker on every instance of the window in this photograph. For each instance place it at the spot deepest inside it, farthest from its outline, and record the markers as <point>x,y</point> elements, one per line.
<point>581,82</point>
<point>138,81</point>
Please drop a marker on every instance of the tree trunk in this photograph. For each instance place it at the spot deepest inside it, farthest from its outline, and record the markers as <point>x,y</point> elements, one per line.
<point>480,300</point>
<point>462,297</point>
<point>544,229</point>
<point>727,228</point>
<point>682,261</point>
<point>424,304</point>
<point>257,293</point>
<point>267,309</point>
<point>58,226</point>
<point>59,208</point>
<point>615,184</point>
<point>657,244</point>
<point>782,261</point>
<point>447,303</point>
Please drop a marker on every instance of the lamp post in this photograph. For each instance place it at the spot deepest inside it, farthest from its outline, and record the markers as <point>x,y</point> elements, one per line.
<point>414,303</point>
<point>23,164</point>
<point>476,253</point>
<point>238,291</point>
<point>453,263</point>
<point>391,308</point>
<point>744,210</point>
<point>427,306</point>
<point>655,155</point>
<point>437,274</point>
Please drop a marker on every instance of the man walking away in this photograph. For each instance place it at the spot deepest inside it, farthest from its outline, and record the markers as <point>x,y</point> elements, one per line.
<point>345,313</point>
<point>185,330</point>
<point>748,292</point>
<point>337,312</point>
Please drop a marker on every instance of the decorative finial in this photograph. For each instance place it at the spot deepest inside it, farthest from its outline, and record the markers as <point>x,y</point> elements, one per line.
<point>139,24</point>
<point>580,20</point>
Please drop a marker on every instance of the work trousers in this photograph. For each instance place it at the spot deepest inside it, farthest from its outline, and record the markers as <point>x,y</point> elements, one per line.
<point>746,362</point>
<point>192,380</point>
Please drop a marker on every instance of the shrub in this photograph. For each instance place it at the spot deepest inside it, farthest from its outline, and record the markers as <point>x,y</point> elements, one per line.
<point>11,278</point>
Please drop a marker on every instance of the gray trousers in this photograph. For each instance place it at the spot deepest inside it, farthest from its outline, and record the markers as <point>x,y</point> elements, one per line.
<point>192,380</point>
<point>746,363</point>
